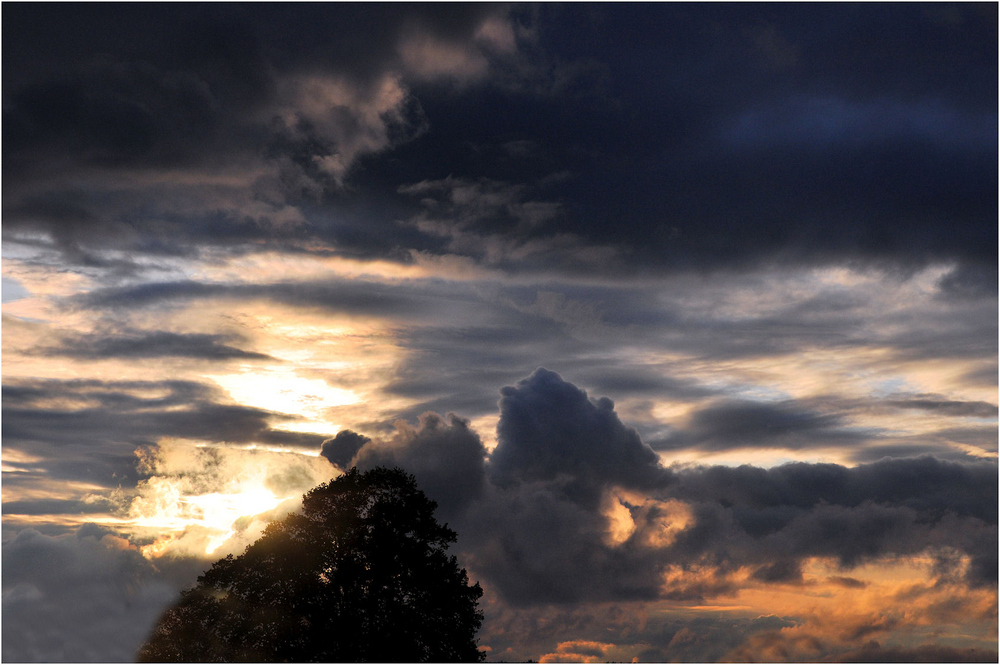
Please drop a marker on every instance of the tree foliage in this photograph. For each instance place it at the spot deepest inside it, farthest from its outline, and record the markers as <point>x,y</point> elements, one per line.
<point>361,574</point>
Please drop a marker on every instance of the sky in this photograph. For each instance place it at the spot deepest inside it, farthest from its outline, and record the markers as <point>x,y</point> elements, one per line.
<point>684,314</point>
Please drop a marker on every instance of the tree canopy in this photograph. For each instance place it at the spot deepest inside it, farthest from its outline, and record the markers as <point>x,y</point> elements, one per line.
<point>360,574</point>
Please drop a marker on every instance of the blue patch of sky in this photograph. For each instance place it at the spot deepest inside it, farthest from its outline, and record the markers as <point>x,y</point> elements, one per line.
<point>11,290</point>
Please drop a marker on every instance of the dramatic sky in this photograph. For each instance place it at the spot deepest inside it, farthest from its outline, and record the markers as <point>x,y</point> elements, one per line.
<point>685,315</point>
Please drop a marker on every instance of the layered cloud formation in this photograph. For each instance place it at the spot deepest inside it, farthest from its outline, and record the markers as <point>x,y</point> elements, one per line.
<point>247,245</point>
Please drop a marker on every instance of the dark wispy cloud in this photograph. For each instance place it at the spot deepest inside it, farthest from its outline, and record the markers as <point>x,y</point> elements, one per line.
<point>153,344</point>
<point>737,424</point>
<point>182,409</point>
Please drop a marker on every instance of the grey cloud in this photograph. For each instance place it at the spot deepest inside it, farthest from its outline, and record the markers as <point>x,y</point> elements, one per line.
<point>213,91</point>
<point>960,444</point>
<point>643,380</point>
<point>549,427</point>
<point>986,375</point>
<point>341,449</point>
<point>946,406</point>
<point>85,597</point>
<point>969,282</point>
<point>736,424</point>
<point>533,519</point>
<point>444,454</point>
<point>849,582</point>
<point>924,484</point>
<point>908,449</point>
<point>535,545</point>
<point>356,296</point>
<point>891,507</point>
<point>984,437</point>
<point>783,570</point>
<point>302,440</point>
<point>98,425</point>
<point>50,507</point>
<point>152,344</point>
<point>873,652</point>
<point>457,367</point>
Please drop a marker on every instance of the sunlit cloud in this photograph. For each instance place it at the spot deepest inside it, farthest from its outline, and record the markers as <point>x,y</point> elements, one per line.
<point>279,389</point>
<point>200,498</point>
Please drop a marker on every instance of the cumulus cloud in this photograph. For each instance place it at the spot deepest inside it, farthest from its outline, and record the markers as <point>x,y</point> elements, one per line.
<point>444,454</point>
<point>549,428</point>
<point>341,449</point>
<point>572,505</point>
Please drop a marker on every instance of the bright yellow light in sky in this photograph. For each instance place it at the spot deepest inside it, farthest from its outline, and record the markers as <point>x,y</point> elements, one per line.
<point>215,511</point>
<point>281,389</point>
<point>198,498</point>
<point>219,511</point>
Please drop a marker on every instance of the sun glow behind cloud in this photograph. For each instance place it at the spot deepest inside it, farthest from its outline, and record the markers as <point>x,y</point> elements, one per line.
<point>200,498</point>
<point>280,389</point>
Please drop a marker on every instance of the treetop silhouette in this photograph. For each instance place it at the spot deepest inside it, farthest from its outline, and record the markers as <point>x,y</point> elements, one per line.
<point>361,574</point>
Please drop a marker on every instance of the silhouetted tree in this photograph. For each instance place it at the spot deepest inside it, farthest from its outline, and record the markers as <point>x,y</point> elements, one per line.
<point>361,574</point>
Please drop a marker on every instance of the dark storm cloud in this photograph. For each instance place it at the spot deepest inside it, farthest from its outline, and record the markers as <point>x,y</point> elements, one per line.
<point>153,344</point>
<point>826,133</point>
<point>213,91</point>
<point>656,148</point>
<point>969,282</point>
<point>923,484</point>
